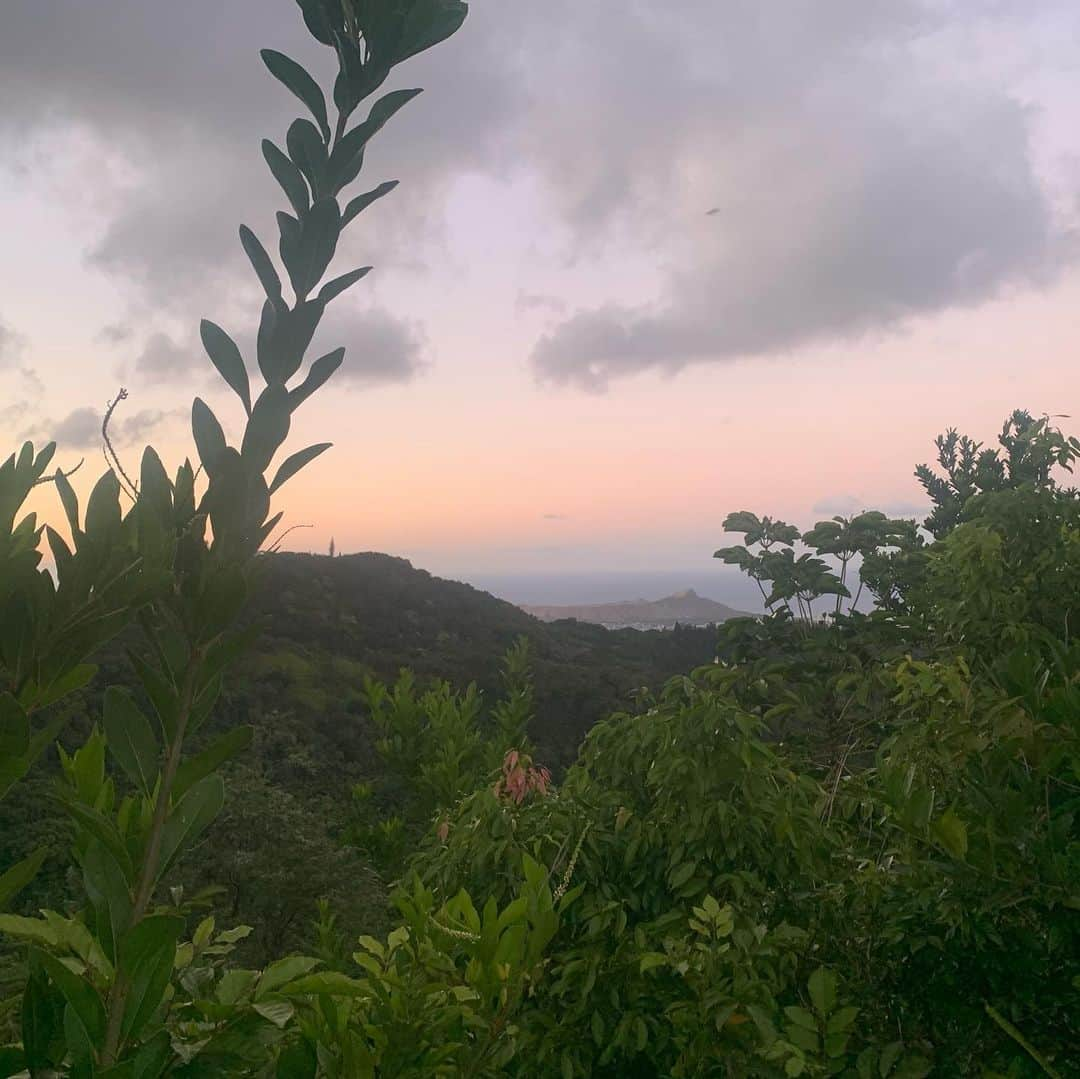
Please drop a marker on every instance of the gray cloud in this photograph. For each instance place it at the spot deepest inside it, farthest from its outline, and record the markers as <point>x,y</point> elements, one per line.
<point>177,95</point>
<point>78,430</point>
<point>532,301</point>
<point>163,359</point>
<point>379,347</point>
<point>555,517</point>
<point>134,429</point>
<point>855,187</point>
<point>862,167</point>
<point>115,333</point>
<point>11,344</point>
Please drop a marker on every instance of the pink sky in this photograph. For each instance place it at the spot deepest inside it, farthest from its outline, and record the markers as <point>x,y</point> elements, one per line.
<point>486,461</point>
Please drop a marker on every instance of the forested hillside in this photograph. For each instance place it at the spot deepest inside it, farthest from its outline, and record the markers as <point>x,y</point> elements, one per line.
<point>327,626</point>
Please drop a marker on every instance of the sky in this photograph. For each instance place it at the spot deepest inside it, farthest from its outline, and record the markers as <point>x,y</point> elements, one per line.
<point>647,264</point>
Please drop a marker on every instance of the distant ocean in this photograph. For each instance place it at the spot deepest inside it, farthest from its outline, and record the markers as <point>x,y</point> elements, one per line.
<point>722,584</point>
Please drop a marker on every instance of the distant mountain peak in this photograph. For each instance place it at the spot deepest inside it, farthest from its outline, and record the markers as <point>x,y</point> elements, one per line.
<point>682,608</point>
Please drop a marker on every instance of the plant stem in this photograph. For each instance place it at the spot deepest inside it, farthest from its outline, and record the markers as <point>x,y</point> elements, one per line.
<point>148,872</point>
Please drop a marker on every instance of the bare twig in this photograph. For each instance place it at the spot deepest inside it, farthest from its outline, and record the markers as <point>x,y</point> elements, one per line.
<point>277,544</point>
<point>52,478</point>
<point>126,483</point>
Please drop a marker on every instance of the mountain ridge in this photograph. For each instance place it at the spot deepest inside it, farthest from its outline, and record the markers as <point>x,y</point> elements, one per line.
<point>685,608</point>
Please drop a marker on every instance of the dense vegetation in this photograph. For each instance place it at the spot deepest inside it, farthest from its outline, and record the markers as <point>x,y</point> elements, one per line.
<point>849,845</point>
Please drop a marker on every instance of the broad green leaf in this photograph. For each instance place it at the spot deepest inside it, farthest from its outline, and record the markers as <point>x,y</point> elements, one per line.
<point>210,759</point>
<point>951,832</point>
<point>362,202</point>
<point>332,289</point>
<point>101,828</point>
<point>14,727</point>
<point>295,78</point>
<point>282,972</point>
<point>263,267</point>
<point>225,356</point>
<point>109,894</point>
<point>35,929</point>
<point>194,813</point>
<point>19,876</point>
<point>147,953</point>
<point>70,503</point>
<point>268,427</point>
<point>130,738</point>
<point>288,176</point>
<point>651,960</point>
<point>822,987</point>
<point>12,1061</point>
<point>681,874</point>
<point>292,464</point>
<point>801,1017</point>
<point>103,508</point>
<point>278,1012</point>
<point>42,1022</point>
<point>319,372</point>
<point>162,693</point>
<point>324,983</point>
<point>428,23</point>
<point>83,999</point>
<point>298,1061</point>
<point>308,152</point>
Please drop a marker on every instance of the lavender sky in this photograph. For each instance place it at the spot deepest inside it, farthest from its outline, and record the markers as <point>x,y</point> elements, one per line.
<point>648,263</point>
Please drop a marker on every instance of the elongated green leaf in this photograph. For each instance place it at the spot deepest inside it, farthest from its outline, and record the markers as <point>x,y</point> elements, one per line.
<point>147,952</point>
<point>283,971</point>
<point>225,356</point>
<point>260,262</point>
<point>308,151</point>
<point>326,982</point>
<point>428,23</point>
<point>70,503</point>
<point>348,156</point>
<point>362,202</point>
<point>130,738</point>
<point>199,767</point>
<point>14,727</point>
<point>109,894</point>
<point>194,813</point>
<point>291,465</point>
<point>318,374</point>
<point>287,175</point>
<point>295,78</point>
<point>822,987</point>
<point>78,992</point>
<point>12,769</point>
<point>951,831</point>
<point>318,242</point>
<point>209,437</point>
<point>42,1022</point>
<point>335,288</point>
<point>19,876</point>
<point>160,690</point>
<point>298,1061</point>
<point>102,829</point>
<point>68,682</point>
<point>103,508</point>
<point>268,427</point>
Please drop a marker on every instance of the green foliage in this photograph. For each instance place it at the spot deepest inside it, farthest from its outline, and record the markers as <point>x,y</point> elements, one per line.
<point>436,747</point>
<point>179,565</point>
<point>847,847</point>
